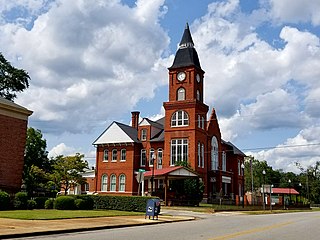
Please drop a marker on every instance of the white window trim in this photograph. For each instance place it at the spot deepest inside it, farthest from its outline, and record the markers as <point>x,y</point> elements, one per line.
<point>175,119</point>
<point>184,156</point>
<point>143,150</point>
<point>121,155</point>
<point>102,183</point>
<point>115,177</point>
<point>112,160</point>
<point>104,154</point>
<point>124,184</point>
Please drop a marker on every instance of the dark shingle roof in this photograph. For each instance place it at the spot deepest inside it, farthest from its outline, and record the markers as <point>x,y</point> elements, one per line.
<point>186,54</point>
<point>130,131</point>
<point>234,148</point>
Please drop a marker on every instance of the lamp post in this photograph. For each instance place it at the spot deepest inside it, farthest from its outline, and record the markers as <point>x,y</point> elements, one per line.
<point>289,181</point>
<point>264,180</point>
<point>153,158</point>
<point>242,167</point>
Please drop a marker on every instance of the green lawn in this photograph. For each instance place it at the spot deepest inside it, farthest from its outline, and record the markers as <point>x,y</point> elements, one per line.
<point>62,214</point>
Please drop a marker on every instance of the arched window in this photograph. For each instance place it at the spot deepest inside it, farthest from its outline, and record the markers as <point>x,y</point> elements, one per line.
<point>123,154</point>
<point>159,158</point>
<point>198,95</point>
<point>181,94</point>
<point>214,153</point>
<point>113,183</point>
<point>105,155</point>
<point>199,154</point>
<point>104,183</point>
<point>114,154</point>
<point>151,157</point>
<point>179,119</point>
<point>122,183</point>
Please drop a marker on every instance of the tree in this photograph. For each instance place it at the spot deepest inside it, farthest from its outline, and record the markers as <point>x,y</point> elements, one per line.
<point>36,162</point>
<point>67,171</point>
<point>12,80</point>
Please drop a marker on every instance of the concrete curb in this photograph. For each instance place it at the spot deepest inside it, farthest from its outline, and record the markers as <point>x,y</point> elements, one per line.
<point>83,229</point>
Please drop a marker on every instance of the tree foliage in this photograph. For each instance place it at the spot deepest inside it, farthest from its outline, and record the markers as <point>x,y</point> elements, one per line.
<point>67,171</point>
<point>12,80</point>
<point>36,163</point>
<point>307,183</point>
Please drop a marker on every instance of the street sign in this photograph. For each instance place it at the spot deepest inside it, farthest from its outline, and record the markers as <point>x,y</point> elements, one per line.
<point>140,176</point>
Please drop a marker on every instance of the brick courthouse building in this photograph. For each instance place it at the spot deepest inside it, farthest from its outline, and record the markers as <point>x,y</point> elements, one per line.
<point>184,134</point>
<point>13,129</point>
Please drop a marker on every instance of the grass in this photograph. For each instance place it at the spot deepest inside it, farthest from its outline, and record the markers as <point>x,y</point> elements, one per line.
<point>62,214</point>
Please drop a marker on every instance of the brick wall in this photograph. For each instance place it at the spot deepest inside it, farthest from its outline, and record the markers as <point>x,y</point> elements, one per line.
<point>12,145</point>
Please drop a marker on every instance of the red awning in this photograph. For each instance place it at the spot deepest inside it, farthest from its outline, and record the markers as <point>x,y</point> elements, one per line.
<point>289,191</point>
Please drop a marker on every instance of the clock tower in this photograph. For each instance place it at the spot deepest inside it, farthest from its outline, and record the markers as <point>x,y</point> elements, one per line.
<point>185,112</point>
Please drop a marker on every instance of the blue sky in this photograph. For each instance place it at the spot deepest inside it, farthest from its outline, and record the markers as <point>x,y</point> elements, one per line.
<point>92,62</point>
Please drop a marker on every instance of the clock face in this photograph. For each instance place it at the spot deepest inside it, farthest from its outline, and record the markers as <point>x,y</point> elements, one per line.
<point>181,76</point>
<point>198,77</point>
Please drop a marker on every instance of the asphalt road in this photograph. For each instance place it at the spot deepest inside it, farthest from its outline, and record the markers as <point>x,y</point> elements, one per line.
<point>302,225</point>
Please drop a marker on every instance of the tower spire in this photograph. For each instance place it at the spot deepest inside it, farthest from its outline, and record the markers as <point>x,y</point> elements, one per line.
<point>186,40</point>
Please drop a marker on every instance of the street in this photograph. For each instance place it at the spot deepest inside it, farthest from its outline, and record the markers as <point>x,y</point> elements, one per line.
<point>302,225</point>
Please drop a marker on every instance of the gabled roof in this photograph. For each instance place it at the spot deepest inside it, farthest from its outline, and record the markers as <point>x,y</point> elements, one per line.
<point>117,133</point>
<point>159,137</point>
<point>177,171</point>
<point>147,121</point>
<point>236,150</point>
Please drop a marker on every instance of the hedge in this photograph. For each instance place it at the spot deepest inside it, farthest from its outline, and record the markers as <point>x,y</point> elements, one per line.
<point>20,201</point>
<point>123,203</point>
<point>4,200</point>
<point>64,203</point>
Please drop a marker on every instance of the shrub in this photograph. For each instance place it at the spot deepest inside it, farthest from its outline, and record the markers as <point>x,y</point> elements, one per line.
<point>20,200</point>
<point>80,204</point>
<point>123,203</point>
<point>31,204</point>
<point>49,204</point>
<point>4,200</point>
<point>64,203</point>
<point>88,202</point>
<point>40,202</point>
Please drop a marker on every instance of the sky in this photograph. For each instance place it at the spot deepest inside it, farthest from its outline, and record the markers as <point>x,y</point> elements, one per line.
<point>92,62</point>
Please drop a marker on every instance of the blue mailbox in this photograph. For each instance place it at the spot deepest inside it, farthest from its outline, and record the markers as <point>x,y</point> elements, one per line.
<point>153,208</point>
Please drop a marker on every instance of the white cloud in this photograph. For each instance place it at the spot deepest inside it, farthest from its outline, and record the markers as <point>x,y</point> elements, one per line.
<point>303,148</point>
<point>61,149</point>
<point>296,11</point>
<point>88,61</point>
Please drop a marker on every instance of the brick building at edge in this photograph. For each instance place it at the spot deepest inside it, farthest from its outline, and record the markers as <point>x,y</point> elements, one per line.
<point>13,129</point>
<point>183,134</point>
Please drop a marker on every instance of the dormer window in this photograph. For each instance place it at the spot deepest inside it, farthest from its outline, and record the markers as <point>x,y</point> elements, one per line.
<point>143,134</point>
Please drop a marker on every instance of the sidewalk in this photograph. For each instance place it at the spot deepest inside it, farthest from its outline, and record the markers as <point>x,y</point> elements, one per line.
<point>14,228</point>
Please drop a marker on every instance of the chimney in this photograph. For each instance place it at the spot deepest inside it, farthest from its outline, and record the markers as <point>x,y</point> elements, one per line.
<point>135,119</point>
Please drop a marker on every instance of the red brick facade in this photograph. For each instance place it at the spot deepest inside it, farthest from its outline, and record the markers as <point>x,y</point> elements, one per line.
<point>184,134</point>
<point>13,128</point>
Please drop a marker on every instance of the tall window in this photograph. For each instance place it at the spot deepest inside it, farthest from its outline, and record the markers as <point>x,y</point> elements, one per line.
<point>199,121</point>
<point>123,154</point>
<point>214,154</point>
<point>198,95</point>
<point>179,118</point>
<point>181,94</point>
<point>224,161</point>
<point>159,158</point>
<point>86,187</point>
<point>122,183</point>
<point>143,134</point>
<point>114,155</point>
<point>239,168</point>
<point>113,183</point>
<point>199,154</point>
<point>202,122</point>
<point>143,158</point>
<point>202,155</point>
<point>179,151</point>
<point>104,183</point>
<point>105,155</point>
<point>151,156</point>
